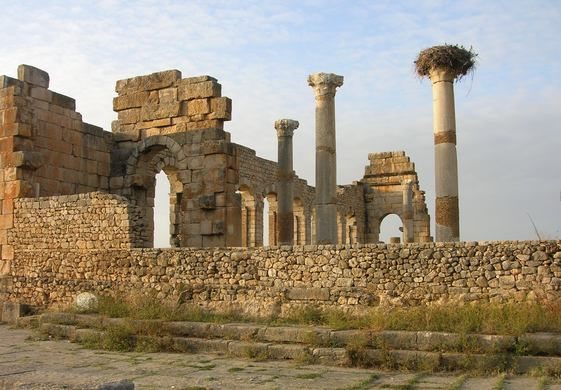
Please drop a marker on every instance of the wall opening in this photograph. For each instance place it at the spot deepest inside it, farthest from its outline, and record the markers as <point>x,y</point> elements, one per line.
<point>390,227</point>
<point>265,221</point>
<point>162,212</point>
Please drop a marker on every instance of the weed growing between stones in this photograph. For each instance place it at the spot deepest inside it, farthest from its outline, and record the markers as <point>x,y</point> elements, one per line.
<point>487,318</point>
<point>457,384</point>
<point>365,384</point>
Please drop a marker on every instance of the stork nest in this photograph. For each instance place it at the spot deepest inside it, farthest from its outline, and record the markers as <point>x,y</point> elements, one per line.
<point>453,58</point>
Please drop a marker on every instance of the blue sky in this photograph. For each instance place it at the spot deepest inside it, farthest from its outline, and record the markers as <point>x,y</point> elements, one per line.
<point>508,113</point>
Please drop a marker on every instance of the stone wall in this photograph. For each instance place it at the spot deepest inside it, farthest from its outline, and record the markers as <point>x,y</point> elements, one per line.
<point>84,221</point>
<point>264,280</point>
<point>45,147</point>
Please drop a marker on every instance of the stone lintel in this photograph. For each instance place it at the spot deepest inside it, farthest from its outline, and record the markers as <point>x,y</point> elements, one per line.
<point>286,127</point>
<point>324,83</point>
<point>33,75</point>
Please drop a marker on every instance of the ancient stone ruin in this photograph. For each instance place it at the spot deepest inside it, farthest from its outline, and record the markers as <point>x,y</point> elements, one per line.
<point>77,207</point>
<point>166,122</point>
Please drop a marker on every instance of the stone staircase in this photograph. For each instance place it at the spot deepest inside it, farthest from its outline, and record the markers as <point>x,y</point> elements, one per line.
<point>421,350</point>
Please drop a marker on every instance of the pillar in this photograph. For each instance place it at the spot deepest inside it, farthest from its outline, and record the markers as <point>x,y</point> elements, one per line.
<point>325,85</point>
<point>285,181</point>
<point>407,211</point>
<point>447,212</point>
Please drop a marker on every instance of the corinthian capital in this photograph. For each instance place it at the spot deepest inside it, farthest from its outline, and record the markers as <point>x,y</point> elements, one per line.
<point>324,83</point>
<point>286,127</point>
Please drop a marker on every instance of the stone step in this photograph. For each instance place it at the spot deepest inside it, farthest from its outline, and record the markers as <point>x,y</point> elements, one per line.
<point>540,344</point>
<point>352,355</point>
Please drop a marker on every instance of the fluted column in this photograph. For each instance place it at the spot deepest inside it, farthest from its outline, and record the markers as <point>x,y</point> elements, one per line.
<point>285,181</point>
<point>445,157</point>
<point>325,85</point>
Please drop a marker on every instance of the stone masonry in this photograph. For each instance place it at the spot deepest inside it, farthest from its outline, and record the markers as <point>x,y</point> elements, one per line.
<point>67,185</point>
<point>269,280</point>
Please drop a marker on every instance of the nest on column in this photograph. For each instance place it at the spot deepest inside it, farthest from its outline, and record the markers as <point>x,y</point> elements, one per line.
<point>453,58</point>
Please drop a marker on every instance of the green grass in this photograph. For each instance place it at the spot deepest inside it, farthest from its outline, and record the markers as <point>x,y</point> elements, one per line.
<point>457,384</point>
<point>500,382</point>
<point>485,318</point>
<point>365,384</point>
<point>311,375</point>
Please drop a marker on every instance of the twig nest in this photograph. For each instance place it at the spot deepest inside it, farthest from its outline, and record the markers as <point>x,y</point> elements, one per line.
<point>451,58</point>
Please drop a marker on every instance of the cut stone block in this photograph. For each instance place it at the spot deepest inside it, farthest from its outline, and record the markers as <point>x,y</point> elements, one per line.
<point>33,75</point>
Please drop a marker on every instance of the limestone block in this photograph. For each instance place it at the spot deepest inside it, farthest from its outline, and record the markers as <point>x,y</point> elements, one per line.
<point>158,111</point>
<point>197,79</point>
<point>41,94</point>
<point>149,82</point>
<point>305,293</point>
<point>129,116</point>
<point>221,108</point>
<point>205,89</point>
<point>154,123</point>
<point>7,82</point>
<point>133,100</point>
<point>167,95</point>
<point>33,75</point>
<point>207,202</point>
<point>198,107</point>
<point>200,125</point>
<point>12,311</point>
<point>63,101</point>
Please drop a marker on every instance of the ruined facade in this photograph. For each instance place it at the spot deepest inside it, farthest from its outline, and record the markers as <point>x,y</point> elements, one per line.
<point>77,213</point>
<point>176,125</point>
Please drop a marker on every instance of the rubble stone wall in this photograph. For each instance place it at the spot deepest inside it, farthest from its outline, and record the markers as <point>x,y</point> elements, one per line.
<point>84,221</point>
<point>271,279</point>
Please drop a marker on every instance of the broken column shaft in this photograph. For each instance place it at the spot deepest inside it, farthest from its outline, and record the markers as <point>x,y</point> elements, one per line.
<point>325,85</point>
<point>445,158</point>
<point>285,181</point>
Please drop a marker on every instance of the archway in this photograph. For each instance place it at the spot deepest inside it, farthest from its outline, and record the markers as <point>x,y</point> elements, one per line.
<point>154,159</point>
<point>162,215</point>
<point>299,222</point>
<point>390,226</point>
<point>272,223</point>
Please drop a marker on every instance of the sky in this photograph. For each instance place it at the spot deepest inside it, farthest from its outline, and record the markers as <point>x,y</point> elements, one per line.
<point>508,113</point>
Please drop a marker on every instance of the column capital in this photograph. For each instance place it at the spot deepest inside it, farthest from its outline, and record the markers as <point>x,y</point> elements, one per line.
<point>324,83</point>
<point>437,75</point>
<point>286,127</point>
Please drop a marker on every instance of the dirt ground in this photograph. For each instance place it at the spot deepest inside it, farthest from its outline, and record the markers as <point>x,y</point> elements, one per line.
<point>31,364</point>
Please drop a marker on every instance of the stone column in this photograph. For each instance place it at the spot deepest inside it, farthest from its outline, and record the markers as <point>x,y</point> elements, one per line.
<point>325,85</point>
<point>285,181</point>
<point>407,210</point>
<point>445,158</point>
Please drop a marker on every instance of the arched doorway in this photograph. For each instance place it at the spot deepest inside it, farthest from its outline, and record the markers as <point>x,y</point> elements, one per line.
<point>154,159</point>
<point>390,226</point>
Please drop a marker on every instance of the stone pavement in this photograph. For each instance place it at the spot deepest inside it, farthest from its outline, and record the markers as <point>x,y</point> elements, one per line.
<point>33,364</point>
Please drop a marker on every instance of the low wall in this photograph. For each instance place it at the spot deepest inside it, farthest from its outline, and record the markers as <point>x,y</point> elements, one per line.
<point>262,280</point>
<point>83,221</point>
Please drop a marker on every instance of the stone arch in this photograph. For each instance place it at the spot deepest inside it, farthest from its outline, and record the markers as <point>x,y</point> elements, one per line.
<point>401,229</point>
<point>151,156</point>
<point>392,187</point>
<point>251,216</point>
<point>273,231</point>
